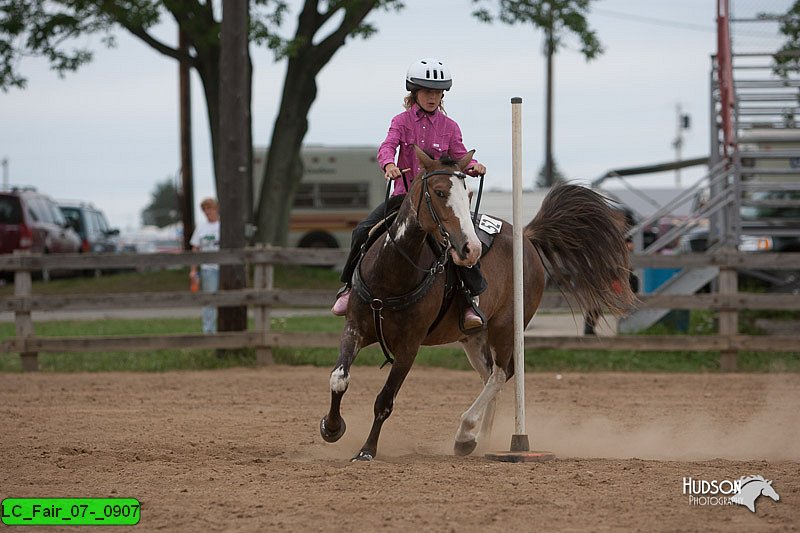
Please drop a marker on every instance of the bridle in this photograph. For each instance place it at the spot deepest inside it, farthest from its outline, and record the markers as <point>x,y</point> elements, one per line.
<point>445,244</point>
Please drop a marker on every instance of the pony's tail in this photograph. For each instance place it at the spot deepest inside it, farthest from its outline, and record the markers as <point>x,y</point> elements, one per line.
<point>578,233</point>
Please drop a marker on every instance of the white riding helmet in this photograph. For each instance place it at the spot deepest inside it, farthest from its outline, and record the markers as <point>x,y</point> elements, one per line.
<point>429,74</point>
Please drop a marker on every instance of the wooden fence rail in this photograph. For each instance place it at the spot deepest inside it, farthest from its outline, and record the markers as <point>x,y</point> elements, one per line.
<point>261,297</point>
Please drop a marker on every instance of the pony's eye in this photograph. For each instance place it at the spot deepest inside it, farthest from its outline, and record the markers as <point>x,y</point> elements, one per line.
<point>440,194</point>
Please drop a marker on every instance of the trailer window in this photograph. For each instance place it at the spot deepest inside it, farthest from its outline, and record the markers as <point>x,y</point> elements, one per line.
<point>332,195</point>
<point>304,196</point>
<point>343,195</point>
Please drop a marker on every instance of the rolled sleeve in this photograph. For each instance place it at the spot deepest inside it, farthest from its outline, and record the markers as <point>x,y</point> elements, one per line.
<point>388,148</point>
<point>457,148</point>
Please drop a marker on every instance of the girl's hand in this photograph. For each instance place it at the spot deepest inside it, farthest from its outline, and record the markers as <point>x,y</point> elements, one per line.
<point>476,170</point>
<point>393,172</point>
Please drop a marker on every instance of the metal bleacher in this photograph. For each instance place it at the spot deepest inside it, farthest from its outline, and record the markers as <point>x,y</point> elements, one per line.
<point>754,162</point>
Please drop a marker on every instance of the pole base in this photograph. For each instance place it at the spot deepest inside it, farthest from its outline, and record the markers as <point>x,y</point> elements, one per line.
<point>520,453</point>
<point>521,457</point>
<point>519,443</point>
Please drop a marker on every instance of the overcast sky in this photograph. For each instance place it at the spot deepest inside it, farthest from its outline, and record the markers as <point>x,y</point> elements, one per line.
<point>108,133</point>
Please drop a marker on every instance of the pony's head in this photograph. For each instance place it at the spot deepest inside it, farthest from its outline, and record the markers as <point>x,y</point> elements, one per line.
<point>442,195</point>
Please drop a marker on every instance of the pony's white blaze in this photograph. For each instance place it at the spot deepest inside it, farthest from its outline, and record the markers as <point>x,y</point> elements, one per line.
<point>458,202</point>
<point>339,380</point>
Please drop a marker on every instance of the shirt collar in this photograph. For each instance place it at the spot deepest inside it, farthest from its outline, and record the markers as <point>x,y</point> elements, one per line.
<point>419,113</point>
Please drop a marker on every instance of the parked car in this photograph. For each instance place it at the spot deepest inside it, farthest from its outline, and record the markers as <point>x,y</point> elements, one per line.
<point>696,241</point>
<point>92,226</point>
<point>30,220</point>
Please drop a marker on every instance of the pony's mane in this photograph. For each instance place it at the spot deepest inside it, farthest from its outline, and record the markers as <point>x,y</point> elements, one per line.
<point>448,161</point>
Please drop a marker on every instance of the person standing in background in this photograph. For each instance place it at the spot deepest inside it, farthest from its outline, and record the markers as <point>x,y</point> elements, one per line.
<point>206,239</point>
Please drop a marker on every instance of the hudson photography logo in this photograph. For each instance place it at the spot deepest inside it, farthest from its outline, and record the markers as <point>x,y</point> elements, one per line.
<point>743,491</point>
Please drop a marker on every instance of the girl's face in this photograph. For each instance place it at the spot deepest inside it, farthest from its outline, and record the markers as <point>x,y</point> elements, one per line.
<point>429,99</point>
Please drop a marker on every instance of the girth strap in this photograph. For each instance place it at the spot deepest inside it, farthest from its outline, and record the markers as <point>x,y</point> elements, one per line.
<point>377,306</point>
<point>393,303</point>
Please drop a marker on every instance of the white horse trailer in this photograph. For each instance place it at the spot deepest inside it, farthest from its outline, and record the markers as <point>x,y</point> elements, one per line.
<point>339,187</point>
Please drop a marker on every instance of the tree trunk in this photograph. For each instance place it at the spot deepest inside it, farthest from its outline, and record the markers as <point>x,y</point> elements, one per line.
<point>549,179</point>
<point>234,152</point>
<point>208,70</point>
<point>284,167</point>
<point>187,173</point>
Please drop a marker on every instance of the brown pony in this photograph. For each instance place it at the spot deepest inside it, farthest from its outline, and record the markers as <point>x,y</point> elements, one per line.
<point>400,286</point>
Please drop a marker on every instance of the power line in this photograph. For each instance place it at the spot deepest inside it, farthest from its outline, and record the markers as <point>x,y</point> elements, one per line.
<point>671,23</point>
<point>655,21</point>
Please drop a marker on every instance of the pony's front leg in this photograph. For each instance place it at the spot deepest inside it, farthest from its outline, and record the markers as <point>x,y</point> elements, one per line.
<point>480,356</point>
<point>332,425</point>
<point>466,435</point>
<point>384,404</point>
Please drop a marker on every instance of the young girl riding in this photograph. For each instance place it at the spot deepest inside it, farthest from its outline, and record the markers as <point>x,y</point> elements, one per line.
<point>425,124</point>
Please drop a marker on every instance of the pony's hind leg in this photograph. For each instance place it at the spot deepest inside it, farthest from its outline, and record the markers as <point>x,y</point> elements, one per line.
<point>466,436</point>
<point>332,425</point>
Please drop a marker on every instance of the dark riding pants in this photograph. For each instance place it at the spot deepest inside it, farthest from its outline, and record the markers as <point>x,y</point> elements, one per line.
<point>472,278</point>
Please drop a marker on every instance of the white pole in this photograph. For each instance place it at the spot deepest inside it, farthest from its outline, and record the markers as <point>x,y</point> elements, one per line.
<point>519,441</point>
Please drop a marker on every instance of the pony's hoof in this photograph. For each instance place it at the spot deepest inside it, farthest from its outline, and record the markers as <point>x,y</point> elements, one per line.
<point>362,456</point>
<point>331,436</point>
<point>464,448</point>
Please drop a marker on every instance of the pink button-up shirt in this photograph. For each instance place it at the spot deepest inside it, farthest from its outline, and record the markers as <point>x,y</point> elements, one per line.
<point>435,133</point>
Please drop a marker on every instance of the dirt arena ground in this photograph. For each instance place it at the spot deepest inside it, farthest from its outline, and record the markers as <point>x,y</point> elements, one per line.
<point>239,450</point>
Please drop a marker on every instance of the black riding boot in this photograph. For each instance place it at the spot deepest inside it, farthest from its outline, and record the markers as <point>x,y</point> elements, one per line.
<point>474,284</point>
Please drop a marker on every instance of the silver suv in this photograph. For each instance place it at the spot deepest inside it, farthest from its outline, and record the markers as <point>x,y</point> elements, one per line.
<point>92,226</point>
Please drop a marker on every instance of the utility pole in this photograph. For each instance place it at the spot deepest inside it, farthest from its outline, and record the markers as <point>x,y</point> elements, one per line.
<point>682,122</point>
<point>187,170</point>
<point>234,150</point>
<point>4,162</point>
<point>549,179</point>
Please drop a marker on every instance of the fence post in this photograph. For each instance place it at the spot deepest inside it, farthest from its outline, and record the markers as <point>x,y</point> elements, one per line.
<point>728,318</point>
<point>263,275</point>
<point>22,319</point>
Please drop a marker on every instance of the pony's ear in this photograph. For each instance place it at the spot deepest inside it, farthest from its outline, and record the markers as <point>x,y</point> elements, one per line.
<point>464,161</point>
<point>423,158</point>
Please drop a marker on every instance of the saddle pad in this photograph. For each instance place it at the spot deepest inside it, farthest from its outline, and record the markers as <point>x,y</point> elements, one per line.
<point>486,229</point>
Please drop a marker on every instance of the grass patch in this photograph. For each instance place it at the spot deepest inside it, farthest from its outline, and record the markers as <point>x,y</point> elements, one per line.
<point>174,279</point>
<point>536,360</point>
<point>295,277</point>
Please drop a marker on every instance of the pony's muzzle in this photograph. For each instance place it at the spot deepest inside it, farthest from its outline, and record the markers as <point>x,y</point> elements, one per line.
<point>468,254</point>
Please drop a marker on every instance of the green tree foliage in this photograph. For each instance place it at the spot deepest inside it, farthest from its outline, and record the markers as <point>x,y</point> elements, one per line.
<point>558,19</point>
<point>314,44</point>
<point>545,179</point>
<point>165,206</point>
<point>56,30</point>
<point>788,57</point>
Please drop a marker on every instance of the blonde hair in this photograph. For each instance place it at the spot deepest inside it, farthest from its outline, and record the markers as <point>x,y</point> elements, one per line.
<point>208,202</point>
<point>411,98</point>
